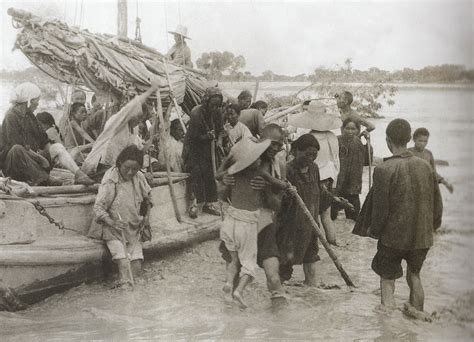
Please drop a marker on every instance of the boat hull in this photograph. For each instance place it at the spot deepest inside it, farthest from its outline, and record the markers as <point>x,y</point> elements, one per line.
<point>41,260</point>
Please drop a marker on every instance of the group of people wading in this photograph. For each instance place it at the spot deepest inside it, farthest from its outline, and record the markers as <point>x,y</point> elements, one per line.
<point>234,157</point>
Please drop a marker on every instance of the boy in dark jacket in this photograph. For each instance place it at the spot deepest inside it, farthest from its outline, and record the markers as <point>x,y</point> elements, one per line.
<point>405,208</point>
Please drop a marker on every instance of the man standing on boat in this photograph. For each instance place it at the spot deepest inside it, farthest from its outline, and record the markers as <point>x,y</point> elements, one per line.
<point>26,153</point>
<point>180,54</point>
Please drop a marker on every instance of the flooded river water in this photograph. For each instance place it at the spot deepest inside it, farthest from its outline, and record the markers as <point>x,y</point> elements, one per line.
<point>180,297</point>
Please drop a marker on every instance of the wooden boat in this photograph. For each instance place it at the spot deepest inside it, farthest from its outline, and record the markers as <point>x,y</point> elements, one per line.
<point>37,259</point>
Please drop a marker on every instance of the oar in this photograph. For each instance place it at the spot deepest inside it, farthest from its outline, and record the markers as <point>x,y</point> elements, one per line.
<point>164,137</point>
<point>124,242</point>
<point>321,237</point>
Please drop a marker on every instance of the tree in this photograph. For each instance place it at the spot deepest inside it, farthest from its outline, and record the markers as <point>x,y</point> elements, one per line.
<point>216,63</point>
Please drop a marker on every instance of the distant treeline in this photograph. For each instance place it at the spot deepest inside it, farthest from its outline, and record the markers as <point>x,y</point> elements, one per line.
<point>446,73</point>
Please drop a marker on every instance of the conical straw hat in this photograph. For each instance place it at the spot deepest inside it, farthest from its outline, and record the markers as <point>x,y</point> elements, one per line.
<point>245,153</point>
<point>318,117</point>
<point>181,30</point>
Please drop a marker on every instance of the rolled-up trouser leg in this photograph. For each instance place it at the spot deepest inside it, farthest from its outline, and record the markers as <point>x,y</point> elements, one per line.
<point>59,151</point>
<point>20,166</point>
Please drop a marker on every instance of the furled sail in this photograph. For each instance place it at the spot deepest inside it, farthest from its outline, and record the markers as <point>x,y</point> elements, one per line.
<point>103,63</point>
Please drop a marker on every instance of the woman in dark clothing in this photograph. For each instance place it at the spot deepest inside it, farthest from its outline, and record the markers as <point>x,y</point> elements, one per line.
<point>296,237</point>
<point>205,129</point>
<point>352,156</point>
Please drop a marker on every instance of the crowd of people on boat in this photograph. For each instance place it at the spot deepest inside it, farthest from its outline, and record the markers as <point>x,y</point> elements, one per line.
<point>258,169</point>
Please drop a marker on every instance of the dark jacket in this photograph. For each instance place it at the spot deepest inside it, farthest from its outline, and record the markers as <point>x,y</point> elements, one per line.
<point>404,206</point>
<point>21,128</point>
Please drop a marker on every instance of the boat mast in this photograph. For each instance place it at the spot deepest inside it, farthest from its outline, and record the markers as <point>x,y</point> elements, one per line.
<point>122,18</point>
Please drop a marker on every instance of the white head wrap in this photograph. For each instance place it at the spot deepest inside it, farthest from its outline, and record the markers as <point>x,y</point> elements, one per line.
<point>25,92</point>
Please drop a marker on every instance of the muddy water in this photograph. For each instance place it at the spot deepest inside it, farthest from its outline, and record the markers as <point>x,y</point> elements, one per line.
<point>180,297</point>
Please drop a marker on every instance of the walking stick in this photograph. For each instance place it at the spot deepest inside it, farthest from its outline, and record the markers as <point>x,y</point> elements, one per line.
<point>321,237</point>
<point>369,148</point>
<point>129,266</point>
<point>165,154</point>
<point>213,156</point>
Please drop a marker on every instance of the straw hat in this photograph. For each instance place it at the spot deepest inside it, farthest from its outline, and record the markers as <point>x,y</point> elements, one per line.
<point>181,31</point>
<point>318,117</point>
<point>246,152</point>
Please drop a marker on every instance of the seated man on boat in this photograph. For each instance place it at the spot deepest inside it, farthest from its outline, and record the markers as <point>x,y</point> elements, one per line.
<point>120,131</point>
<point>26,153</point>
<point>180,54</point>
<point>174,148</point>
<point>122,211</point>
<point>76,140</point>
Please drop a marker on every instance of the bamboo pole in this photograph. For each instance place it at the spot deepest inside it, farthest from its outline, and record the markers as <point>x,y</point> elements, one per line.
<point>173,98</point>
<point>161,181</point>
<point>255,92</point>
<point>164,136</point>
<point>64,189</point>
<point>369,147</point>
<point>321,237</point>
<point>124,242</point>
<point>158,174</point>
<point>276,116</point>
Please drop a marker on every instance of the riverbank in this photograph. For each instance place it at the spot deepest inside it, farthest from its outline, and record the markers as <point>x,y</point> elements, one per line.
<point>181,298</point>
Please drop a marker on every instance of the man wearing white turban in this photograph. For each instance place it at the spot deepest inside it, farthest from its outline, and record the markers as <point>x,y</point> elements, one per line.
<point>25,151</point>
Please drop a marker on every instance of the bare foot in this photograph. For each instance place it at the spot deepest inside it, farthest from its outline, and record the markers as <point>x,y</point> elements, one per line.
<point>227,289</point>
<point>325,286</point>
<point>240,299</point>
<point>410,311</point>
<point>384,309</point>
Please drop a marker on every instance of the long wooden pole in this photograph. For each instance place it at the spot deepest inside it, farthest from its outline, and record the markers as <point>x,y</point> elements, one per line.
<point>276,116</point>
<point>324,242</point>
<point>173,98</point>
<point>129,266</point>
<point>164,137</point>
<point>255,92</point>
<point>369,147</point>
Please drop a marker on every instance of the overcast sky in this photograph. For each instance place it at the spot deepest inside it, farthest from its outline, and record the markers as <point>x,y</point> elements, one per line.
<point>289,37</point>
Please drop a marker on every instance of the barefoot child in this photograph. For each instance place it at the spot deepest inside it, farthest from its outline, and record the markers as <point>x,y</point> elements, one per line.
<point>420,138</point>
<point>404,208</point>
<point>240,227</point>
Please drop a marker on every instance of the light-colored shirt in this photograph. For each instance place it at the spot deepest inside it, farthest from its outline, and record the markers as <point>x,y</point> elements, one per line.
<point>253,119</point>
<point>115,137</point>
<point>180,54</point>
<point>237,132</point>
<point>328,155</point>
<point>175,151</point>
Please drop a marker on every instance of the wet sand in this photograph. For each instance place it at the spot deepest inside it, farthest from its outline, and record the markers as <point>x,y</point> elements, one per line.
<point>181,298</point>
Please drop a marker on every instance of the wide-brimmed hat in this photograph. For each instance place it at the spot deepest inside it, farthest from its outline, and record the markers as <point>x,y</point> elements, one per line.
<point>245,153</point>
<point>318,117</point>
<point>181,31</point>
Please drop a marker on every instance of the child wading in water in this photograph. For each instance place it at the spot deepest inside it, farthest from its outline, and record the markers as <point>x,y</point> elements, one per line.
<point>420,138</point>
<point>352,157</point>
<point>240,227</point>
<point>402,210</point>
